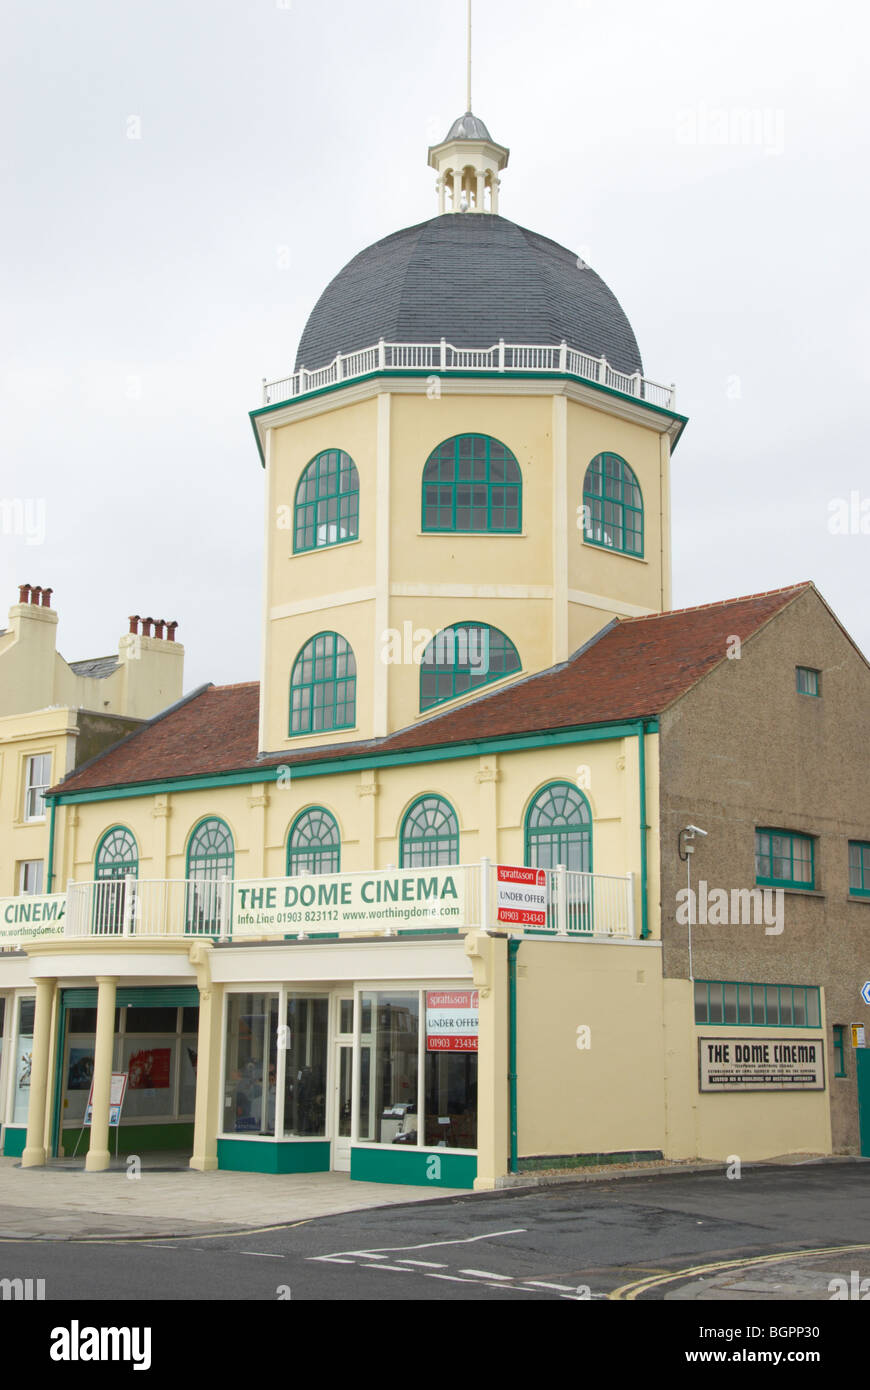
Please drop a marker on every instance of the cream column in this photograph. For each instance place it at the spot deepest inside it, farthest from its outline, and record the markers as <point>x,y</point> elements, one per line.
<point>161,812</point>
<point>382,569</point>
<point>487,777</point>
<point>34,1152</point>
<point>98,1151</point>
<point>258,802</point>
<point>488,955</point>
<point>561,511</point>
<point>665,519</point>
<point>367,790</point>
<point>457,189</point>
<point>206,1120</point>
<point>480,196</point>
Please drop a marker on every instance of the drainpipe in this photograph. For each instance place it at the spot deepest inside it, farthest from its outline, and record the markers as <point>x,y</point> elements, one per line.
<point>641,752</point>
<point>513,951</point>
<point>50,876</point>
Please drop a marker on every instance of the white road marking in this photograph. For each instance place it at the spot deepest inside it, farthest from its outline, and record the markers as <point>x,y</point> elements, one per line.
<point>426,1264</point>
<point>336,1260</point>
<point>261,1254</point>
<point>396,1269</point>
<point>539,1284</point>
<point>426,1245</point>
<point>454,1279</point>
<point>485,1274</point>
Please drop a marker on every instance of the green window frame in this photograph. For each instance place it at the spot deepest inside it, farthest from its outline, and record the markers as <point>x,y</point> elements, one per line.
<point>808,681</point>
<point>613,506</point>
<point>472,484</point>
<point>558,829</point>
<point>326,510</point>
<point>117,857</point>
<point>462,658</point>
<point>314,843</point>
<point>429,835</point>
<point>742,1004</point>
<point>784,859</point>
<point>859,868</point>
<point>840,1049</point>
<point>323,686</point>
<point>210,859</point>
<point>117,854</point>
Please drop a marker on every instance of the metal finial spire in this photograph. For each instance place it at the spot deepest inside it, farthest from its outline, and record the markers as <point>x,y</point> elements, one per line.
<point>468,93</point>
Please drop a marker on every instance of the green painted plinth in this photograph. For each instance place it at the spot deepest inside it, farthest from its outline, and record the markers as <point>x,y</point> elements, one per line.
<point>262,1156</point>
<point>14,1141</point>
<point>137,1139</point>
<point>547,1161</point>
<point>441,1169</point>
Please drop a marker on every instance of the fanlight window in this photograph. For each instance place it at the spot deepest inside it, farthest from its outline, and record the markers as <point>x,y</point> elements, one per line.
<point>559,832</point>
<point>210,862</point>
<point>612,506</point>
<point>430,834</point>
<point>323,686</point>
<point>314,844</point>
<point>472,483</point>
<point>463,657</point>
<point>327,502</point>
<point>117,859</point>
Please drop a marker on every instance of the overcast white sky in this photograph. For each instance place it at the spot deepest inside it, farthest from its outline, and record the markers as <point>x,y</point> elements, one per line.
<point>147,291</point>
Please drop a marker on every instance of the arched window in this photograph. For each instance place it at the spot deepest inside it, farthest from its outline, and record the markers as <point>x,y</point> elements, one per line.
<point>323,686</point>
<point>314,844</point>
<point>117,858</point>
<point>210,860</point>
<point>472,483</point>
<point>559,829</point>
<point>464,657</point>
<point>429,835</point>
<point>613,515</point>
<point>117,854</point>
<point>327,502</point>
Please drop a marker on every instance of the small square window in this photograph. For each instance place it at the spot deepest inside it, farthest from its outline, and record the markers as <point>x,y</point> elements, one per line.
<point>809,681</point>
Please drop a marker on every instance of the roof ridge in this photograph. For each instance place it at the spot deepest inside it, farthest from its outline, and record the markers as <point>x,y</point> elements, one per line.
<point>720,603</point>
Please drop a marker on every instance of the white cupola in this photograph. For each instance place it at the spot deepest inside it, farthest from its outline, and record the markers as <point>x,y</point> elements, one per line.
<point>468,162</point>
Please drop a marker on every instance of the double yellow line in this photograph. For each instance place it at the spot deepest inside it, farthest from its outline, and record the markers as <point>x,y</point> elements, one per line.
<point>629,1292</point>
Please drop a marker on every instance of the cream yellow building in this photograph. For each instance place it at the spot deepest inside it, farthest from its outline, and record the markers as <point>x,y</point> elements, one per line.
<point>403,907</point>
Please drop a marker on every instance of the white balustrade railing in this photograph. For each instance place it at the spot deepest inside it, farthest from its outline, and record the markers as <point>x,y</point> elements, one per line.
<point>578,905</point>
<point>444,357</point>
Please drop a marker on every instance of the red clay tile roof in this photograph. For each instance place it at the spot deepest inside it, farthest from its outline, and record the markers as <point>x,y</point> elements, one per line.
<point>634,667</point>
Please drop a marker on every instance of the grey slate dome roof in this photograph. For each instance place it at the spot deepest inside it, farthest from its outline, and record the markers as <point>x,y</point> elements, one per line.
<point>471,278</point>
<point>467,127</point>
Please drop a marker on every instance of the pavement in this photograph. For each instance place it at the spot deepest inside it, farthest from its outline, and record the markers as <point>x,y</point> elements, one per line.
<point>63,1202</point>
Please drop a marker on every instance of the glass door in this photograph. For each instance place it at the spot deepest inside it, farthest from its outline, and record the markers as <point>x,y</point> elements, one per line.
<point>343,1106</point>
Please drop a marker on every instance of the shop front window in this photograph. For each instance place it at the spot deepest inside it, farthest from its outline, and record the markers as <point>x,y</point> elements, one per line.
<point>251,1064</point>
<point>389,1113</point>
<point>305,1042</point>
<point>394,1029</point>
<point>23,1061</point>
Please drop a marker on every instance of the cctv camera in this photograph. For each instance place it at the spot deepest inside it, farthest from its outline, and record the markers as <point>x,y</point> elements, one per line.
<point>696,830</point>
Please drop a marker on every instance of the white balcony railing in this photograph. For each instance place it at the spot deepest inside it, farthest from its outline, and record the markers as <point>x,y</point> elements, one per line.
<point>443,357</point>
<point>377,902</point>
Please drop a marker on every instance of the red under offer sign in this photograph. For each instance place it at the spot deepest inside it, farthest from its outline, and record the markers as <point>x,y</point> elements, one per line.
<point>451,1020</point>
<point>521,895</point>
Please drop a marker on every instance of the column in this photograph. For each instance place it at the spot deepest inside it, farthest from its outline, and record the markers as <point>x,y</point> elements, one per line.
<point>208,1073</point>
<point>562,508</point>
<point>98,1150</point>
<point>480,196</point>
<point>34,1152</point>
<point>488,955</point>
<point>457,189</point>
<point>488,776</point>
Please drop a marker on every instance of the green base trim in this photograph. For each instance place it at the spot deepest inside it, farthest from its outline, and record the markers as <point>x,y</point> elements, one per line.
<point>278,1156</point>
<point>14,1142</point>
<point>531,1165</point>
<point>135,1139</point>
<point>422,1169</point>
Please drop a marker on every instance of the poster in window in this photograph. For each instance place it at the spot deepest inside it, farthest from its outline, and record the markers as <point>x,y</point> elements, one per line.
<point>81,1068</point>
<point>149,1069</point>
